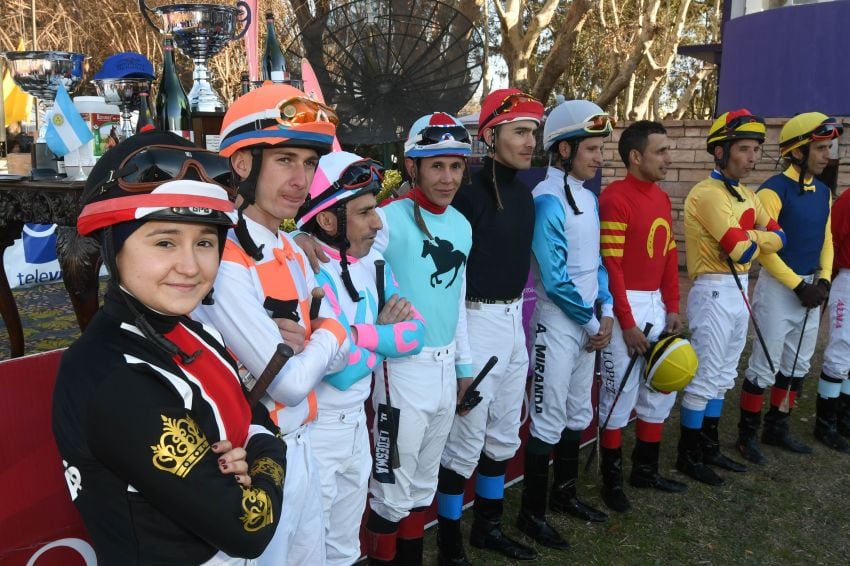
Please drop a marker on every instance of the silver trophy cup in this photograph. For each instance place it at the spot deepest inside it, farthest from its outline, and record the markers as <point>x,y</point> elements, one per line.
<point>124,93</point>
<point>200,31</point>
<point>39,74</point>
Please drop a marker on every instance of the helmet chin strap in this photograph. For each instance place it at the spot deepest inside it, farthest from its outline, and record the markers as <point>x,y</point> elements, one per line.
<point>247,189</point>
<point>721,165</point>
<point>568,165</point>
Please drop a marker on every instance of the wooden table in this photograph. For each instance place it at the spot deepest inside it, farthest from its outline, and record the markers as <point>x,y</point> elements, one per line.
<point>48,202</point>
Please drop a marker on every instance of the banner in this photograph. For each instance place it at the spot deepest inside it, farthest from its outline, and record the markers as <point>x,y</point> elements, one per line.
<point>32,259</point>
<point>39,524</point>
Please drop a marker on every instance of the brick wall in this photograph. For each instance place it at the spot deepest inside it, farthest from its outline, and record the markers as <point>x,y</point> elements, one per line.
<point>692,163</point>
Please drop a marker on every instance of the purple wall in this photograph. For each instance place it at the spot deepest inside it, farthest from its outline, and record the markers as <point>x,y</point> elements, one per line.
<point>788,60</point>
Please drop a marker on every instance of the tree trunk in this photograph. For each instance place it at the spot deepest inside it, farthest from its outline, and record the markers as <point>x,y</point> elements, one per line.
<point>690,90</point>
<point>558,59</point>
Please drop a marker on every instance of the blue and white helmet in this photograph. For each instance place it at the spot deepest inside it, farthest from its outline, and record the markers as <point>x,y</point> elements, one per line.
<point>437,134</point>
<point>575,119</point>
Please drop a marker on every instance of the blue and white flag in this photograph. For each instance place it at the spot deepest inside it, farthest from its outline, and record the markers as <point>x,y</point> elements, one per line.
<point>66,129</point>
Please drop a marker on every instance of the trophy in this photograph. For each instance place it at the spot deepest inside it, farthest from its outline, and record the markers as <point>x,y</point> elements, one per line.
<point>39,73</point>
<point>200,31</point>
<point>124,93</point>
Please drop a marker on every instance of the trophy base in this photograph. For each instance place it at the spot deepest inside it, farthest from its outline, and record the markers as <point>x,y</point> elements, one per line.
<point>202,98</point>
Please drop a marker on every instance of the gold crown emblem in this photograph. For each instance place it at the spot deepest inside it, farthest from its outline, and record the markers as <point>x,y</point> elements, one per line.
<point>181,445</point>
<point>268,467</point>
<point>258,509</point>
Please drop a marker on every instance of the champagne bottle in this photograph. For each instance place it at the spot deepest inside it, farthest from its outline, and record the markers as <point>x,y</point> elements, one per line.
<point>145,120</point>
<point>245,83</point>
<point>274,64</point>
<point>172,104</point>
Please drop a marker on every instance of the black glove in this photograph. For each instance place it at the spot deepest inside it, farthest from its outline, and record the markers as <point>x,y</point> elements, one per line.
<point>811,296</point>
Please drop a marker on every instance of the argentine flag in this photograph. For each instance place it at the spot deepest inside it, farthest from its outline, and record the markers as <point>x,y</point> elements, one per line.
<point>66,129</point>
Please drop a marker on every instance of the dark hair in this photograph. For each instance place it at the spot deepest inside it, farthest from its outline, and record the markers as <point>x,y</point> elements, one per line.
<point>636,136</point>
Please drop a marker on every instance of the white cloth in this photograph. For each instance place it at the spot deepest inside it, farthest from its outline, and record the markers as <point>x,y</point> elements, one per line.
<point>341,447</point>
<point>424,388</point>
<point>563,375</point>
<point>300,536</point>
<point>650,406</point>
<point>836,357</point>
<point>780,317</point>
<point>718,322</point>
<point>492,426</point>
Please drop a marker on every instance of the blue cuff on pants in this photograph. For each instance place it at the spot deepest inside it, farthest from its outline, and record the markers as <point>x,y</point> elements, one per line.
<point>692,418</point>
<point>714,408</point>
<point>491,487</point>
<point>449,505</point>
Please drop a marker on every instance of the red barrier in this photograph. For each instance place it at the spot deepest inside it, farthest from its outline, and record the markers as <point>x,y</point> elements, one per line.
<point>39,524</point>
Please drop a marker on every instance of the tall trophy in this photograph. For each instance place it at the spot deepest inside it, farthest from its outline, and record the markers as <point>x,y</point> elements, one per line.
<point>200,31</point>
<point>39,74</point>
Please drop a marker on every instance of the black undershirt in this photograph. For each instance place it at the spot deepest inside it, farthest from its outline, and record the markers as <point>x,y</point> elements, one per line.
<point>500,259</point>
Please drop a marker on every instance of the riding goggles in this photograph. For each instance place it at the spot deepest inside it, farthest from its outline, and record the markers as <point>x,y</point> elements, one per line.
<point>741,120</point>
<point>153,165</point>
<point>826,130</point>
<point>438,134</point>
<point>600,124</point>
<point>359,175</point>
<point>303,110</point>
<point>516,102</point>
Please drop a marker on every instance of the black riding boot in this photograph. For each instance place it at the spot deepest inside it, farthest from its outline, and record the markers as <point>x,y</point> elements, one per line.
<point>752,398</point>
<point>563,498</point>
<point>690,461</point>
<point>710,443</point>
<point>532,514</point>
<point>645,469</point>
<point>844,415</point>
<point>612,480</point>
<point>777,432</point>
<point>826,425</point>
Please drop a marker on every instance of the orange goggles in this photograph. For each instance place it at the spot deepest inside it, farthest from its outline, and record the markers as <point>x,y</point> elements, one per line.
<point>302,110</point>
<point>601,124</point>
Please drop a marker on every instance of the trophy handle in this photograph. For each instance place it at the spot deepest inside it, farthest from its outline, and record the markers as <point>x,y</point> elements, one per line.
<point>145,10</point>
<point>246,21</point>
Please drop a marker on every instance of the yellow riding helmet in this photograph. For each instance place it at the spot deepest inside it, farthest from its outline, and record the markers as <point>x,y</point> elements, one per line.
<point>735,125</point>
<point>671,364</point>
<point>277,115</point>
<point>804,128</point>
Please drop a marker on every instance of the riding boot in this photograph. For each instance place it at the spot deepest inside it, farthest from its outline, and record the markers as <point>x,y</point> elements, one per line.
<point>487,513</point>
<point>710,444</point>
<point>689,461</point>
<point>826,425</point>
<point>747,443</point>
<point>613,494</point>
<point>645,469</point>
<point>532,514</point>
<point>381,535</point>
<point>450,486</point>
<point>563,498</point>
<point>844,415</point>
<point>409,544</point>
<point>777,432</point>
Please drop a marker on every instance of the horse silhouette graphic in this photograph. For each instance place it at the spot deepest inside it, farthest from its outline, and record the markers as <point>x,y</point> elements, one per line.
<point>445,259</point>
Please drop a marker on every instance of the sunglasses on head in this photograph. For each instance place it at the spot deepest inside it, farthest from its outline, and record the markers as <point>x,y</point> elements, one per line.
<point>826,130</point>
<point>302,110</point>
<point>153,165</point>
<point>511,103</point>
<point>437,134</point>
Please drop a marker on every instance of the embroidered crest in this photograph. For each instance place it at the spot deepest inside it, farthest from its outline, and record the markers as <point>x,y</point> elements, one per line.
<point>268,467</point>
<point>258,509</point>
<point>180,446</point>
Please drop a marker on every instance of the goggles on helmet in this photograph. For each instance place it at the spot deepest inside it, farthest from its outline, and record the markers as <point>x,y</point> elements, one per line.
<point>303,110</point>
<point>826,130</point>
<point>600,124</point>
<point>736,123</point>
<point>437,134</point>
<point>511,103</point>
<point>356,176</point>
<point>155,164</point>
